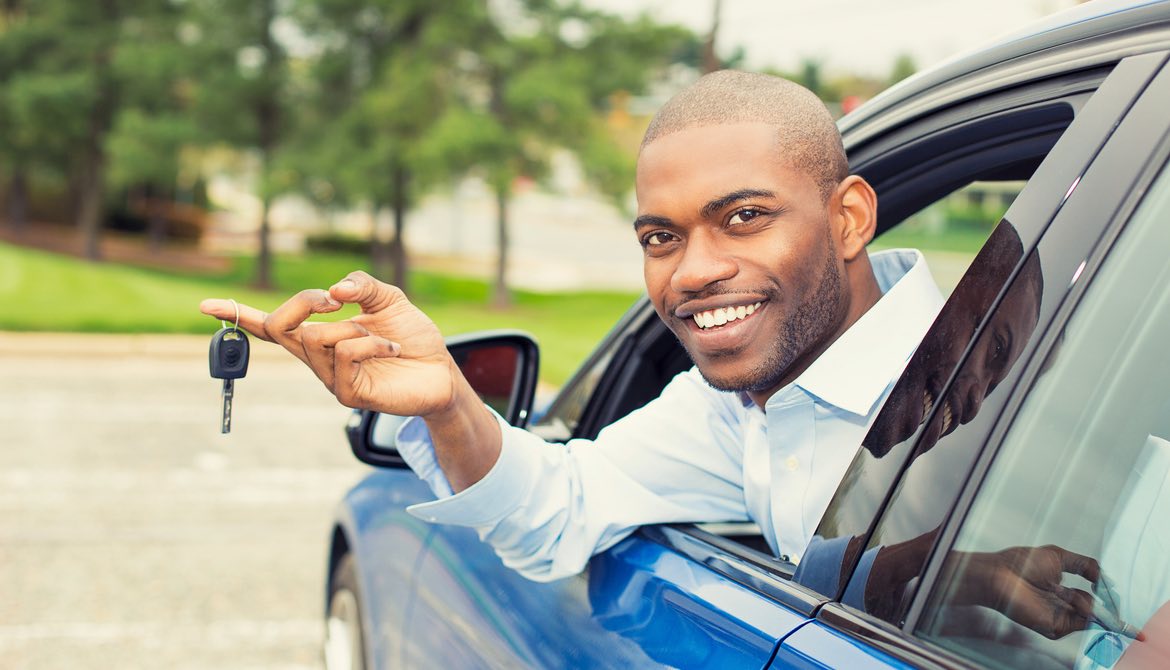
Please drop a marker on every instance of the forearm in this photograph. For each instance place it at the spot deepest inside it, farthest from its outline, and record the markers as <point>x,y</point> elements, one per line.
<point>466,437</point>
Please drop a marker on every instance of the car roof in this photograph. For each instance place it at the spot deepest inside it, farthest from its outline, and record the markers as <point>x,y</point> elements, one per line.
<point>1089,35</point>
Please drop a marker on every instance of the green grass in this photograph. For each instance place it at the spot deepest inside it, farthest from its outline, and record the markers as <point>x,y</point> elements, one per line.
<point>967,240</point>
<point>48,292</point>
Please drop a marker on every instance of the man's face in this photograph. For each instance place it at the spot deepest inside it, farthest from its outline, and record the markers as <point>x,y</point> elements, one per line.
<point>739,255</point>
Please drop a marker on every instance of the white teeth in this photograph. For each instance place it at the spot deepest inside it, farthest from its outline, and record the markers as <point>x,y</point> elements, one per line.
<point>722,315</point>
<point>947,418</point>
<point>927,403</point>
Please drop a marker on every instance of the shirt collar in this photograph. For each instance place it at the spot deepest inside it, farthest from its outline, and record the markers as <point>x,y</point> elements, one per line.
<point>855,371</point>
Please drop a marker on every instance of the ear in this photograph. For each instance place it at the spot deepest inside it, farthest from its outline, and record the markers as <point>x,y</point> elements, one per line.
<point>856,215</point>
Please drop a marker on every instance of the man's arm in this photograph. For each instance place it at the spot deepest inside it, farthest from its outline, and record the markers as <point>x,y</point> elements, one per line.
<point>545,509</point>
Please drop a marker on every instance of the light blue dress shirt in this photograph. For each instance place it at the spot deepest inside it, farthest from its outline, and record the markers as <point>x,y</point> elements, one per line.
<point>694,454</point>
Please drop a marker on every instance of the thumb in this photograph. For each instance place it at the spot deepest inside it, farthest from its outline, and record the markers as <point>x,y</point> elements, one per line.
<point>369,293</point>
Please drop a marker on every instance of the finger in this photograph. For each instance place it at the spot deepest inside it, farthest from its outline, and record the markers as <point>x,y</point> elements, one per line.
<point>349,355</point>
<point>283,324</point>
<point>251,319</point>
<point>318,341</point>
<point>1079,564</point>
<point>369,293</point>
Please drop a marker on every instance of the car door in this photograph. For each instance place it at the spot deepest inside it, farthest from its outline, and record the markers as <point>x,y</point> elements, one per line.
<point>686,596</point>
<point>1045,516</point>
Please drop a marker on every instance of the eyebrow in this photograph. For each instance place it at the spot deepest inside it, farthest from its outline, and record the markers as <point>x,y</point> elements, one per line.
<point>708,209</point>
<point>652,220</point>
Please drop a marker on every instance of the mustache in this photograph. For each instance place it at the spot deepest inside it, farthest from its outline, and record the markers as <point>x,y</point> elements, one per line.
<point>718,291</point>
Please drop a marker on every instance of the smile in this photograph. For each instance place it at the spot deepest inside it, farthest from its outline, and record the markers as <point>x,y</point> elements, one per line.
<point>928,404</point>
<point>713,318</point>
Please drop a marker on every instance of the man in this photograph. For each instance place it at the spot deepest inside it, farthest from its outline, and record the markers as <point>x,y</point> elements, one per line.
<point>754,236</point>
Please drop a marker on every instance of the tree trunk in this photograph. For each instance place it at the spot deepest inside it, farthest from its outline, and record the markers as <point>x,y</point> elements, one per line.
<point>380,260</point>
<point>710,58</point>
<point>89,217</point>
<point>398,243</point>
<point>267,118</point>
<point>93,166</point>
<point>18,203</point>
<point>501,297</point>
<point>264,252</point>
<point>156,221</point>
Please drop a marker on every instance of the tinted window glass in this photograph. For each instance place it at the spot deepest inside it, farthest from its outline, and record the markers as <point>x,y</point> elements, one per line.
<point>925,405</point>
<point>1064,553</point>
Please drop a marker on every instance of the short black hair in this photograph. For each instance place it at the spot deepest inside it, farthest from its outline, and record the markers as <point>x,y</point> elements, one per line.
<point>807,137</point>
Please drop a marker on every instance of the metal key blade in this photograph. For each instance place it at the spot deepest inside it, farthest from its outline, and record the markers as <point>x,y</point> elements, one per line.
<point>229,389</point>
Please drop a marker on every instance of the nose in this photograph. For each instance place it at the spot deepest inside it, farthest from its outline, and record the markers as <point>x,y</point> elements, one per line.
<point>703,263</point>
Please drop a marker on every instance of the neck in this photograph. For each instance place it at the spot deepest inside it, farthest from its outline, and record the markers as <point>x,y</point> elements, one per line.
<point>863,294</point>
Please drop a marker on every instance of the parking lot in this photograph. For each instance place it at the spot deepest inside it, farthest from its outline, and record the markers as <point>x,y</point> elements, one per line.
<point>133,534</point>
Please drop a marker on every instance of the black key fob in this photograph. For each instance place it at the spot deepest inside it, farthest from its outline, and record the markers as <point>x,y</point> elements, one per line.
<point>228,356</point>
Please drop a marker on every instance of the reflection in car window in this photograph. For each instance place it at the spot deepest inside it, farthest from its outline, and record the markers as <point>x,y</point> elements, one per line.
<point>924,406</point>
<point>950,231</point>
<point>1063,556</point>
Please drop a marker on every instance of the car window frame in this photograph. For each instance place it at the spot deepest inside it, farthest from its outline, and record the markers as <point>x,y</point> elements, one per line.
<point>1130,136</point>
<point>1098,183</point>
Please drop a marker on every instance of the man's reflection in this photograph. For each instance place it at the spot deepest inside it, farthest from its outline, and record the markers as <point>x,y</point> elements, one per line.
<point>1002,340</point>
<point>1023,583</point>
<point>828,560</point>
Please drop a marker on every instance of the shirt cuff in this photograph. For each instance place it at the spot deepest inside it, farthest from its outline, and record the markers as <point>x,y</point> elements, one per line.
<point>500,492</point>
<point>414,445</point>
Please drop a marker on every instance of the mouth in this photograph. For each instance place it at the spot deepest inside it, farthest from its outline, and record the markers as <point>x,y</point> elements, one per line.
<point>719,317</point>
<point>947,415</point>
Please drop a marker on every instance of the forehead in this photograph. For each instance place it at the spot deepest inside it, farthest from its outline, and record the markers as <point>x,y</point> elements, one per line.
<point>705,162</point>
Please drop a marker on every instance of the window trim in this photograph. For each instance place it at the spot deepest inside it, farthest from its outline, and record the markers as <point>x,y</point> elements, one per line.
<point>747,567</point>
<point>1130,133</point>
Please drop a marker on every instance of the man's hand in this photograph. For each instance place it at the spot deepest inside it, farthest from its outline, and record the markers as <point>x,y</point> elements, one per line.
<point>390,358</point>
<point>1024,583</point>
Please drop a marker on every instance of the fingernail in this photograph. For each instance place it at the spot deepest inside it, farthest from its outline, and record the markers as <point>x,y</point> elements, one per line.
<point>345,285</point>
<point>332,302</point>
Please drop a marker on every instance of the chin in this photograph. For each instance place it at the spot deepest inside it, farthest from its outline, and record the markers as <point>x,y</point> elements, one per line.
<point>743,379</point>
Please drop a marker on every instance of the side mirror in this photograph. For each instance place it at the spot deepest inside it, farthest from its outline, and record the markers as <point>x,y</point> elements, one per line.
<point>500,365</point>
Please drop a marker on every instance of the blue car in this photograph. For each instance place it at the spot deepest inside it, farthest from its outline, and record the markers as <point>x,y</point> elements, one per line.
<point>1009,507</point>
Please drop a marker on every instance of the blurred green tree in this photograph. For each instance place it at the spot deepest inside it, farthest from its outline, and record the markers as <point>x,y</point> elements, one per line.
<point>540,78</point>
<point>241,91</point>
<point>62,91</point>
<point>37,108</point>
<point>154,123</point>
<point>384,73</point>
<point>904,66</point>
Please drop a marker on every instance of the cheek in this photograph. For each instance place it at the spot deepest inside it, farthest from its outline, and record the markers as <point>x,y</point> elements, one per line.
<point>656,272</point>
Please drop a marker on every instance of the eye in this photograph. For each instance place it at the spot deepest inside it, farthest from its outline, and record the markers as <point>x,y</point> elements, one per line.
<point>999,347</point>
<point>743,216</point>
<point>657,239</point>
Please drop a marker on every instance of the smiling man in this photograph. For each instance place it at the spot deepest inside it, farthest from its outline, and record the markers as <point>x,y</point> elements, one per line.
<point>754,236</point>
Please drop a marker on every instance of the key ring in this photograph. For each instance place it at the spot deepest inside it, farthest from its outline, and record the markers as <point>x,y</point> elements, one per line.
<point>235,326</point>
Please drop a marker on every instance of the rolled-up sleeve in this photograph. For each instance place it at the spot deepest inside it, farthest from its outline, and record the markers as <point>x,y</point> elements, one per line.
<point>547,508</point>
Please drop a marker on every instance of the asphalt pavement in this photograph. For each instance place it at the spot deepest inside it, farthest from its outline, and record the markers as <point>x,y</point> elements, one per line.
<point>133,534</point>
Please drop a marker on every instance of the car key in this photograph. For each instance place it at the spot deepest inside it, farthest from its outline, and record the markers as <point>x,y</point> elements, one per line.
<point>228,359</point>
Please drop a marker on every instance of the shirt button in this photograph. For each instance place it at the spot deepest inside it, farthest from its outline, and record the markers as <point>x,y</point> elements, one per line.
<point>792,463</point>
